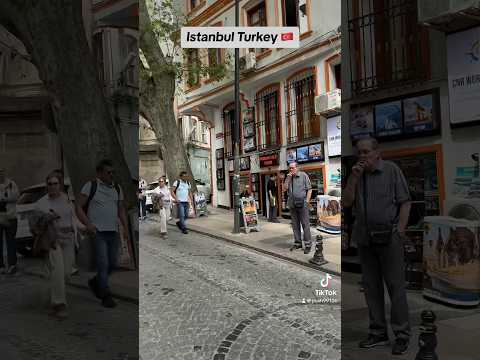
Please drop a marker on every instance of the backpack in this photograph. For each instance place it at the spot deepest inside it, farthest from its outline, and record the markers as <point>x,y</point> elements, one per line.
<point>93,190</point>
<point>178,184</point>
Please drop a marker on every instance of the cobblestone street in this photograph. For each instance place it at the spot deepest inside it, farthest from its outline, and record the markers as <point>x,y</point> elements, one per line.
<point>201,298</point>
<point>90,331</point>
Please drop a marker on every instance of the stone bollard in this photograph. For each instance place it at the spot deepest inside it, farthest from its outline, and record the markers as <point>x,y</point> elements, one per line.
<point>318,258</point>
<point>427,341</point>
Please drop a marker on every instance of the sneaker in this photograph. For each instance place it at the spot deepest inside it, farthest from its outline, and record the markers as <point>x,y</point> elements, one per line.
<point>185,231</point>
<point>400,347</point>
<point>11,270</point>
<point>307,249</point>
<point>92,284</point>
<point>373,340</point>
<point>108,302</point>
<point>296,247</point>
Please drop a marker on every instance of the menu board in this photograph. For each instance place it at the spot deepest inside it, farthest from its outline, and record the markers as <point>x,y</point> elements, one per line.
<point>307,153</point>
<point>418,113</point>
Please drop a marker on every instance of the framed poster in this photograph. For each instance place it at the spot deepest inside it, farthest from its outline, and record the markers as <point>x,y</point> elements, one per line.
<point>362,122</point>
<point>302,154</point>
<point>248,129</point>
<point>291,155</point>
<point>219,163</point>
<point>388,118</point>
<point>315,152</point>
<point>418,113</point>
<point>249,144</point>
<point>245,163</point>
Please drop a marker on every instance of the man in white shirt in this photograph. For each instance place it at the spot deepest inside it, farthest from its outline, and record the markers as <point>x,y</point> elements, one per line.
<point>182,195</point>
<point>100,210</point>
<point>142,199</point>
<point>8,222</point>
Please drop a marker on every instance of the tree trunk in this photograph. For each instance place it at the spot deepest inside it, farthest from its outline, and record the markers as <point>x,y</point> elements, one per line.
<point>157,92</point>
<point>53,33</point>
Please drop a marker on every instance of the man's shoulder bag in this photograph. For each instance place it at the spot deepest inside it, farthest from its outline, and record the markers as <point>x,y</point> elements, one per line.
<point>378,234</point>
<point>298,203</point>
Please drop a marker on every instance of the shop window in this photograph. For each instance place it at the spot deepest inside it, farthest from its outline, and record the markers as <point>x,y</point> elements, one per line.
<point>268,118</point>
<point>193,64</point>
<point>228,130</point>
<point>302,122</point>
<point>295,13</point>
<point>388,44</point>
<point>257,16</point>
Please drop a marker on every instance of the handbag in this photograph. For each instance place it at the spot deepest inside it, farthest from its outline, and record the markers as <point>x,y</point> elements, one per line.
<point>298,203</point>
<point>378,234</point>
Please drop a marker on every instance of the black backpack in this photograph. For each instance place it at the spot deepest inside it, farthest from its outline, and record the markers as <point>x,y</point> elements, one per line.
<point>178,184</point>
<point>93,190</point>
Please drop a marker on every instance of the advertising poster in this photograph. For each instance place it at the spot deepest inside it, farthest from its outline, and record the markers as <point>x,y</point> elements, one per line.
<point>291,155</point>
<point>329,214</point>
<point>302,154</point>
<point>334,136</point>
<point>245,163</point>
<point>388,118</point>
<point>249,212</point>
<point>418,113</point>
<point>249,144</point>
<point>467,183</point>
<point>362,122</point>
<point>463,63</point>
<point>315,152</point>
<point>451,264</point>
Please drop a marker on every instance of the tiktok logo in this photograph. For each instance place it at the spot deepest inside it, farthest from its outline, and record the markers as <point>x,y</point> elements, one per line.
<point>326,281</point>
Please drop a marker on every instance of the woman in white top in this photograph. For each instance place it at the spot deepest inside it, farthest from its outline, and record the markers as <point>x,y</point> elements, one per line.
<point>60,259</point>
<point>164,202</point>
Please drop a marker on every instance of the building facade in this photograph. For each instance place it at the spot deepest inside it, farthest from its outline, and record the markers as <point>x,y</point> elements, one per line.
<point>278,88</point>
<point>411,80</point>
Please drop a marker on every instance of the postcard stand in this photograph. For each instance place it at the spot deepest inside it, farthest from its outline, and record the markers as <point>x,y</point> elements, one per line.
<point>249,214</point>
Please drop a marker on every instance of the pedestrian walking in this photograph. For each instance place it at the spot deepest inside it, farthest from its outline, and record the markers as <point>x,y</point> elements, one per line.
<point>61,256</point>
<point>378,192</point>
<point>299,190</point>
<point>142,199</point>
<point>8,223</point>
<point>100,207</point>
<point>162,195</point>
<point>272,190</point>
<point>181,192</point>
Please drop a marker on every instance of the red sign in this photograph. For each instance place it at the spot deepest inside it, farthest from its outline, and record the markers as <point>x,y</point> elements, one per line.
<point>268,160</point>
<point>287,36</point>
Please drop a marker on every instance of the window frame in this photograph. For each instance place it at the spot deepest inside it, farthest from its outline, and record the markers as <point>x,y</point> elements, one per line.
<point>261,96</point>
<point>189,60</point>
<point>308,8</point>
<point>248,11</point>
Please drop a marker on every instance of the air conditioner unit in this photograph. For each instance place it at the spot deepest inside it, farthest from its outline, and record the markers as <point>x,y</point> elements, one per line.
<point>329,103</point>
<point>248,62</point>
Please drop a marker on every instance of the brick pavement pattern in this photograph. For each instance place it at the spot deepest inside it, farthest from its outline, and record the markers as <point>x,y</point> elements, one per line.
<point>201,298</point>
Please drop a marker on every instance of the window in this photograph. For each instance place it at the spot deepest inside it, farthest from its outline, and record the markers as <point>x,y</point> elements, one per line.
<point>268,118</point>
<point>295,14</point>
<point>228,130</point>
<point>98,53</point>
<point>388,45</point>
<point>193,63</point>
<point>257,16</point>
<point>337,72</point>
<point>302,122</point>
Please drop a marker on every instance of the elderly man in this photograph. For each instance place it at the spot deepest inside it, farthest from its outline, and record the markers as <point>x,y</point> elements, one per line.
<point>379,194</point>
<point>299,189</point>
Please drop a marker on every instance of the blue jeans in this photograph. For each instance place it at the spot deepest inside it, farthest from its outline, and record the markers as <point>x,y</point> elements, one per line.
<point>107,246</point>
<point>182,214</point>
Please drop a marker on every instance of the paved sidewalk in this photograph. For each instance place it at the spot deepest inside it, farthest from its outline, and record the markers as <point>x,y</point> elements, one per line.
<point>458,330</point>
<point>123,283</point>
<point>274,239</point>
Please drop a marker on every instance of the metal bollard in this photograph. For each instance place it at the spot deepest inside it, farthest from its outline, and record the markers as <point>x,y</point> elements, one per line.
<point>318,258</point>
<point>427,341</point>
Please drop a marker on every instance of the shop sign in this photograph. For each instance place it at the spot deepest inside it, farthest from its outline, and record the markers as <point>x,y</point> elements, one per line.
<point>463,61</point>
<point>334,136</point>
<point>269,160</point>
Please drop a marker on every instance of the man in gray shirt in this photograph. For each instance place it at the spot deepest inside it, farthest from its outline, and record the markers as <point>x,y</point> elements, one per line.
<point>387,207</point>
<point>299,189</point>
<point>100,207</point>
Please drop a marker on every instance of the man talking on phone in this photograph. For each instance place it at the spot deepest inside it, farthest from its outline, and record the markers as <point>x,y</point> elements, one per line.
<point>299,189</point>
<point>379,194</point>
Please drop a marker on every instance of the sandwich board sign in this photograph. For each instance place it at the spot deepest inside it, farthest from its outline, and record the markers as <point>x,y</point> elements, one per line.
<point>249,214</point>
